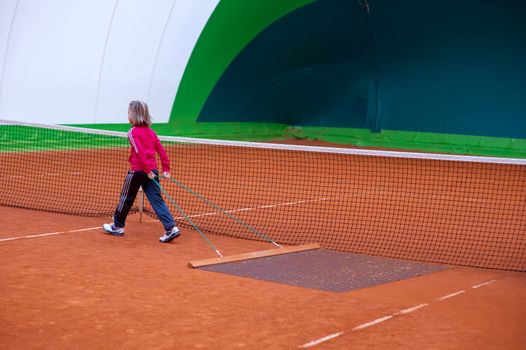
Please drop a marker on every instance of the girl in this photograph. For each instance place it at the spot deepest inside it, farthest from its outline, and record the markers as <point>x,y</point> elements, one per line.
<point>143,170</point>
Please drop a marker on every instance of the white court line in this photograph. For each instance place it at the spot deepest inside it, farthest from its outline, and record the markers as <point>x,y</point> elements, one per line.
<point>267,206</point>
<point>483,284</point>
<point>372,323</point>
<point>180,217</point>
<point>388,317</point>
<point>47,234</point>
<point>321,340</point>
<point>451,295</point>
<point>411,309</point>
<point>45,175</point>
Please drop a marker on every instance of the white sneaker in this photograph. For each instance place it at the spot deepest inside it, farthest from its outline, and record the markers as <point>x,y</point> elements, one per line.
<point>170,235</point>
<point>113,230</point>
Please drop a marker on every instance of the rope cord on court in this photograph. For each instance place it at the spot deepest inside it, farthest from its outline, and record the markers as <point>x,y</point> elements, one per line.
<point>215,206</point>
<point>187,217</point>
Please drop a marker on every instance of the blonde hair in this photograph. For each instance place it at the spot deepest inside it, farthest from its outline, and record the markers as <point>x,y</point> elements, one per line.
<point>139,114</point>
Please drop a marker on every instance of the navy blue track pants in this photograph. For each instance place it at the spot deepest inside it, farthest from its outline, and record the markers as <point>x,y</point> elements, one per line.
<point>134,180</point>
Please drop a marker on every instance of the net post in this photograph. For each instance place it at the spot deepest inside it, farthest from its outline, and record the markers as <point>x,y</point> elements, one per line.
<point>141,203</point>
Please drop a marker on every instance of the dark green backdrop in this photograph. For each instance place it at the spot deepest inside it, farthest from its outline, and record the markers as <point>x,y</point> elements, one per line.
<point>447,67</point>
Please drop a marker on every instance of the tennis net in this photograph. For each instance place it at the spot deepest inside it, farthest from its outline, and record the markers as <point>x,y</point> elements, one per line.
<point>458,210</point>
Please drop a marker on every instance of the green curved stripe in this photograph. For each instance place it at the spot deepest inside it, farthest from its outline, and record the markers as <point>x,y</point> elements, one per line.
<point>232,25</point>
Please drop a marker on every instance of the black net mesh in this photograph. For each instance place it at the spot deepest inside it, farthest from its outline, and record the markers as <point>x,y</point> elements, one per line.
<point>437,208</point>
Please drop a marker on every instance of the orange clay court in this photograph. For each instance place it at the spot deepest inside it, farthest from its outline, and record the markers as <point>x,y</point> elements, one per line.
<point>66,285</point>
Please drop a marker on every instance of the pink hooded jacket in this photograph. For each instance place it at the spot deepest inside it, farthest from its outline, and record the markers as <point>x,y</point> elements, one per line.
<point>144,144</point>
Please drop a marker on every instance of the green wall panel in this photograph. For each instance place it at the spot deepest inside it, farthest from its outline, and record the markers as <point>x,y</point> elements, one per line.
<point>314,66</point>
<point>233,24</point>
<point>446,75</point>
